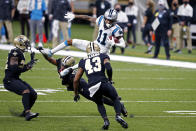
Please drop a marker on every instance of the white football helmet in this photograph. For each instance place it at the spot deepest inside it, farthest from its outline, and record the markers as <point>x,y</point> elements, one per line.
<point>111,15</point>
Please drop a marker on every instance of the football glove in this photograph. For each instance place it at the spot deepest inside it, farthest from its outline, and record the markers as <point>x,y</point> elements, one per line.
<point>69,16</point>
<point>110,41</point>
<point>31,63</point>
<point>66,71</point>
<point>46,52</point>
<point>32,55</point>
<point>76,98</point>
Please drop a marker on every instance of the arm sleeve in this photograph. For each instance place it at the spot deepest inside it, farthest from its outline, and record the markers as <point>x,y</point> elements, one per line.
<point>108,70</point>
<point>81,64</point>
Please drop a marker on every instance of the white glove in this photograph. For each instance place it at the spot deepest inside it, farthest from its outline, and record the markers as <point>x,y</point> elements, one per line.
<point>65,71</point>
<point>111,41</point>
<point>69,16</point>
<point>43,19</point>
<point>46,52</point>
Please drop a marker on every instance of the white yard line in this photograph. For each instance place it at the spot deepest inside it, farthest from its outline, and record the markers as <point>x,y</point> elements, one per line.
<point>71,101</point>
<point>122,89</point>
<point>155,89</point>
<point>150,61</point>
<point>174,116</point>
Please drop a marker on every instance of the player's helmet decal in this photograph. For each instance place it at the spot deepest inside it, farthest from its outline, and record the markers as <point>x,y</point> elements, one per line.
<point>92,47</point>
<point>67,61</point>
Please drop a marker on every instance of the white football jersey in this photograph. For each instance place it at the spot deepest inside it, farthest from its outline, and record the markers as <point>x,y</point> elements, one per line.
<point>104,33</point>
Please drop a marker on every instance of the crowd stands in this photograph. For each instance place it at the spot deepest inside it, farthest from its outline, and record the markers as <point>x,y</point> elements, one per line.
<point>170,26</point>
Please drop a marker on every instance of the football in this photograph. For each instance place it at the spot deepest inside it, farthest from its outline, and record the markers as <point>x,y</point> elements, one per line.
<point>116,40</point>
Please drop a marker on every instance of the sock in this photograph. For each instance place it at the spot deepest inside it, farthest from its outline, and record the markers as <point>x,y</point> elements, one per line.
<point>102,110</point>
<point>108,101</point>
<point>60,47</point>
<point>117,106</point>
<point>25,101</point>
<point>32,100</point>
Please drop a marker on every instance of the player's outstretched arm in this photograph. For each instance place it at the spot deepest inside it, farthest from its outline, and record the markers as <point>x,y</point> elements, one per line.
<point>70,16</point>
<point>108,69</point>
<point>86,17</point>
<point>49,59</point>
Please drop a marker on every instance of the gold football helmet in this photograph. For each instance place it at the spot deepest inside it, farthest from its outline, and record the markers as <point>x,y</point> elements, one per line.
<point>67,61</point>
<point>22,42</point>
<point>92,47</point>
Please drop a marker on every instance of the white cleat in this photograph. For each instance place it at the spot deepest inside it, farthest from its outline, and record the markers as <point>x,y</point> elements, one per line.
<point>40,44</point>
<point>33,44</point>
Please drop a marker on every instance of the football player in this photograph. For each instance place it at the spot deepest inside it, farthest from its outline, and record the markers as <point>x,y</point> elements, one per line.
<point>109,33</point>
<point>94,65</point>
<point>67,62</point>
<point>14,67</point>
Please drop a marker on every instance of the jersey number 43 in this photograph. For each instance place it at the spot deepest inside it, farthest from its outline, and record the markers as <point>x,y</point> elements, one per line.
<point>89,67</point>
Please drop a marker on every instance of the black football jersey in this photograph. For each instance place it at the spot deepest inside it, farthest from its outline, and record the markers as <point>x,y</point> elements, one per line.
<point>67,79</point>
<point>15,71</point>
<point>94,67</point>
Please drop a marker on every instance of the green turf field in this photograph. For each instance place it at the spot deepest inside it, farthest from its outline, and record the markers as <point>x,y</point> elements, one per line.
<point>147,91</point>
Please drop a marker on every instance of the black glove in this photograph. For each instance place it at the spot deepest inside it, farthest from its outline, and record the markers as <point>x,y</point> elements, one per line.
<point>32,55</point>
<point>76,98</point>
<point>39,48</point>
<point>31,63</point>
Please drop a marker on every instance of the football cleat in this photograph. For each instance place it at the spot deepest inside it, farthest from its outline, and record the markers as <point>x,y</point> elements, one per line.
<point>30,116</point>
<point>40,44</point>
<point>121,121</point>
<point>106,124</point>
<point>123,110</point>
<point>22,114</point>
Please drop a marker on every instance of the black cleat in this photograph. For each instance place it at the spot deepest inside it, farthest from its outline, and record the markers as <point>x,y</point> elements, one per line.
<point>106,124</point>
<point>178,51</point>
<point>121,121</point>
<point>30,115</point>
<point>123,110</point>
<point>22,114</point>
<point>148,52</point>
